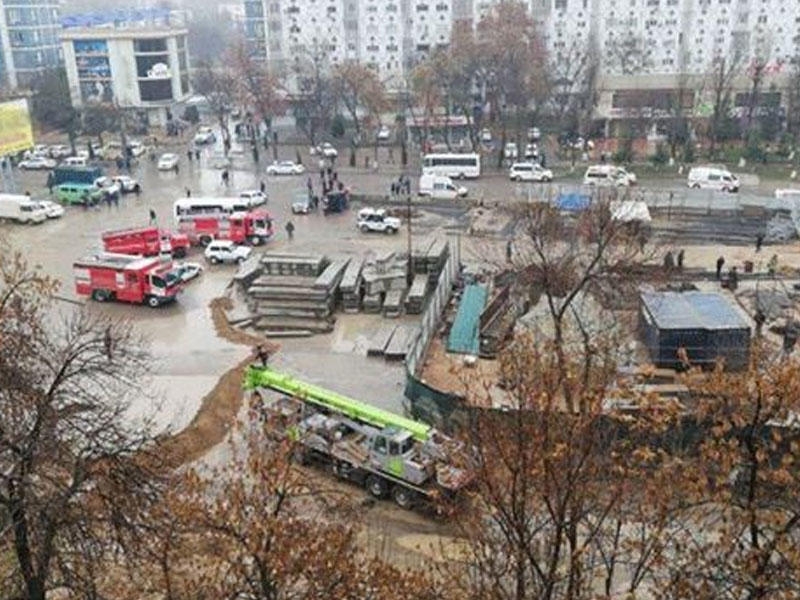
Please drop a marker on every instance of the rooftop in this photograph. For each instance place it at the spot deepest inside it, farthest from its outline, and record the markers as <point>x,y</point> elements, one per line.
<point>693,310</point>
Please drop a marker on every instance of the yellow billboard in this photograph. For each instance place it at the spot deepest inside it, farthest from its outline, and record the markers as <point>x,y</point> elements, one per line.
<point>16,134</point>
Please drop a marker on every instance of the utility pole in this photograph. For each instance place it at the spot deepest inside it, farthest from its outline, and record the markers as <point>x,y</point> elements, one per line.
<point>410,276</point>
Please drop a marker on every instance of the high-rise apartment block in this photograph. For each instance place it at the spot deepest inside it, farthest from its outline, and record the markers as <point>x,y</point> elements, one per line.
<point>29,41</point>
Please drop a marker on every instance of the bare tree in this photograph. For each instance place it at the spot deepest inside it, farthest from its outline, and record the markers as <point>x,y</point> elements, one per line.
<point>315,101</point>
<point>724,71</point>
<point>218,86</point>
<point>573,77</point>
<point>793,100</point>
<point>75,478</point>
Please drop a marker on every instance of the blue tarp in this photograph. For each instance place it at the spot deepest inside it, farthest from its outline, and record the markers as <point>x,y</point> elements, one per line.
<point>465,334</point>
<point>573,202</point>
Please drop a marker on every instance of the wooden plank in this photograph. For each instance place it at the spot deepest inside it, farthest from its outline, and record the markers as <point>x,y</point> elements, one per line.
<point>401,342</point>
<point>381,339</point>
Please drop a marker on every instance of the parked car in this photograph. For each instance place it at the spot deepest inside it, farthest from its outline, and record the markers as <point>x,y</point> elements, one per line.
<point>440,187</point>
<point>37,163</point>
<point>371,219</point>
<point>713,178</point>
<point>254,197</point>
<point>285,167</point>
<point>127,184</point>
<point>51,209</point>
<point>80,160</point>
<point>328,151</point>
<point>534,134</point>
<point>226,251</point>
<point>188,270</point>
<point>168,162</point>
<point>136,148</point>
<point>486,135</point>
<point>108,186</point>
<point>510,152</point>
<point>112,151</point>
<point>384,133</point>
<point>531,151</point>
<point>529,171</point>
<point>204,135</point>
<point>301,205</point>
<point>59,151</point>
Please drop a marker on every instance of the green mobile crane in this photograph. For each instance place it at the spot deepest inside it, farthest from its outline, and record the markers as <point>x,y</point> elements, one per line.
<point>389,454</point>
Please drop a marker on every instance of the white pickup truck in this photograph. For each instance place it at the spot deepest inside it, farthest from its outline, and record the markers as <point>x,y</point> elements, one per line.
<point>372,219</point>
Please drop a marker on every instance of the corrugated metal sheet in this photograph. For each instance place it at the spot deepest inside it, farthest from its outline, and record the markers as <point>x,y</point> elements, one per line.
<point>465,334</point>
<point>692,310</point>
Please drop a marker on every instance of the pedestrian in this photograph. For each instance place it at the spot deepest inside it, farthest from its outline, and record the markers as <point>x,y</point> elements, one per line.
<point>509,250</point>
<point>720,264</point>
<point>680,260</point>
<point>262,355</point>
<point>176,168</point>
<point>137,189</point>
<point>188,193</point>
<point>197,155</point>
<point>759,318</point>
<point>225,177</point>
<point>335,176</point>
<point>733,279</point>
<point>153,219</point>
<point>393,188</point>
<point>772,265</point>
<point>189,155</point>
<point>51,180</point>
<point>310,185</point>
<point>263,187</point>
<point>669,261</point>
<point>759,241</point>
<point>408,184</point>
<point>290,229</point>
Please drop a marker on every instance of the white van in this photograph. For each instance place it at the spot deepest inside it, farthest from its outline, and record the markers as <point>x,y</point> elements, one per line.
<point>440,187</point>
<point>712,178</point>
<point>22,209</point>
<point>529,171</point>
<point>75,161</point>
<point>608,175</point>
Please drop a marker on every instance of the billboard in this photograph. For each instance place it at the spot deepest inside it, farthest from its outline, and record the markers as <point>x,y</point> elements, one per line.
<point>16,134</point>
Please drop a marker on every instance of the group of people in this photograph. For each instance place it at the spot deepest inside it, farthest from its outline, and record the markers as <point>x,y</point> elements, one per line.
<point>401,186</point>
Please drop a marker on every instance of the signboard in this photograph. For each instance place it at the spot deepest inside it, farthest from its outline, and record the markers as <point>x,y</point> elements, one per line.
<point>16,134</point>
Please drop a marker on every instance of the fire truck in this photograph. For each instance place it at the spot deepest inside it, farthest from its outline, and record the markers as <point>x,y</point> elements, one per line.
<point>125,278</point>
<point>240,227</point>
<point>147,241</point>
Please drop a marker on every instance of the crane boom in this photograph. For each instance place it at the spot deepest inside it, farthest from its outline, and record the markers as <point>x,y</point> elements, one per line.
<point>265,377</point>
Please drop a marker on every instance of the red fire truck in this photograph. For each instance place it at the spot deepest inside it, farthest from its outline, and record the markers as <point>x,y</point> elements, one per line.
<point>108,276</point>
<point>147,241</point>
<point>240,227</point>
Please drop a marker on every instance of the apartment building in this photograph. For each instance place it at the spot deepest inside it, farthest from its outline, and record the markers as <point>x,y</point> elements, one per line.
<point>28,40</point>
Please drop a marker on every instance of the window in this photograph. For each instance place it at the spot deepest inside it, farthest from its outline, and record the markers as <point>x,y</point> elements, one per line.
<point>380,444</point>
<point>155,45</point>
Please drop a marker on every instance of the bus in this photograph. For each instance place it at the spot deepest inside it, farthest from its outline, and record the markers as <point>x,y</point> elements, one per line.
<point>452,165</point>
<point>187,207</point>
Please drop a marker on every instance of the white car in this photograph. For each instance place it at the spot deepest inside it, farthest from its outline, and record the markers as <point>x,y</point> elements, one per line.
<point>168,162</point>
<point>527,171</point>
<point>51,209</point>
<point>510,151</point>
<point>127,184</point>
<point>188,270</point>
<point>285,167</point>
<point>108,185</point>
<point>486,135</point>
<point>254,197</point>
<point>37,163</point>
<point>204,135</point>
<point>301,204</point>
<point>384,133</point>
<point>225,251</point>
<point>371,219</point>
<point>531,151</point>
<point>59,151</point>
<point>328,151</point>
<point>136,148</point>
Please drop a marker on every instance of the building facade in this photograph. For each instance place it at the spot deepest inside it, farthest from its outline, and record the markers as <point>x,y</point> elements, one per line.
<point>645,51</point>
<point>29,41</point>
<point>139,69</point>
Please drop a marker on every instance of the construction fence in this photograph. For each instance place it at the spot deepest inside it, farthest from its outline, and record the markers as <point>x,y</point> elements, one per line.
<point>427,403</point>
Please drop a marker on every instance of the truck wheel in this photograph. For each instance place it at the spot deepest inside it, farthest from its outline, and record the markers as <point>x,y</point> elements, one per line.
<point>153,302</point>
<point>214,260</point>
<point>376,486</point>
<point>391,230</point>
<point>403,496</point>
<point>256,240</point>
<point>364,229</point>
<point>204,240</point>
<point>100,295</point>
<point>341,469</point>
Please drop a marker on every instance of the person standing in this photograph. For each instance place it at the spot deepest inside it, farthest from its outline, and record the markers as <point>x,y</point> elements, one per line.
<point>225,177</point>
<point>759,242</point>
<point>509,250</point>
<point>263,187</point>
<point>290,229</point>
<point>188,193</point>
<point>51,180</point>
<point>189,154</point>
<point>197,155</point>
<point>680,260</point>
<point>153,219</point>
<point>720,264</point>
